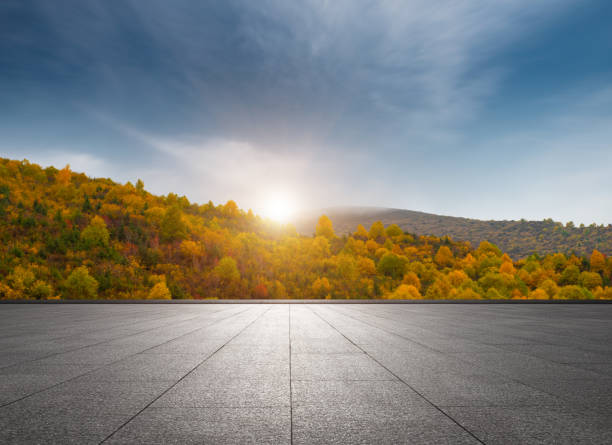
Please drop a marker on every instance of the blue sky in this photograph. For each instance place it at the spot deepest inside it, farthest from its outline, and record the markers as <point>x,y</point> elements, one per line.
<point>492,110</point>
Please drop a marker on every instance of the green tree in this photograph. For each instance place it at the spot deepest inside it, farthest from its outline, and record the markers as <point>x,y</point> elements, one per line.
<point>81,285</point>
<point>570,275</point>
<point>95,234</point>
<point>227,270</point>
<point>391,265</point>
<point>488,249</point>
<point>86,205</point>
<point>550,287</point>
<point>573,292</point>
<point>41,290</point>
<point>590,280</point>
<point>394,230</point>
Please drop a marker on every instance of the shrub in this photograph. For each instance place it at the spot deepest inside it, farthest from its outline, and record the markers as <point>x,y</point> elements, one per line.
<point>159,292</point>
<point>405,292</point>
<point>81,285</point>
<point>573,292</point>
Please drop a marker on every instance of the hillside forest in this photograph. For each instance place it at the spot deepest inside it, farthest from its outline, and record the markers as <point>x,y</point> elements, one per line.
<point>518,239</point>
<point>65,235</point>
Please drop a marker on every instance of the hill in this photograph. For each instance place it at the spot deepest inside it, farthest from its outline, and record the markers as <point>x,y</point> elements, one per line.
<point>65,235</point>
<point>517,238</point>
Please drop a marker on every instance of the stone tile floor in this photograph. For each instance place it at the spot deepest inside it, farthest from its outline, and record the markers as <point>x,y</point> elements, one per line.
<point>306,373</point>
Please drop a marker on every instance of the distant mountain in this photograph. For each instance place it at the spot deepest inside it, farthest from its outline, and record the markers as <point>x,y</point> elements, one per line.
<point>518,238</point>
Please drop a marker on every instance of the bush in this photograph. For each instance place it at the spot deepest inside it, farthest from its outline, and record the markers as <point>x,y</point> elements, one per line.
<point>41,290</point>
<point>405,292</point>
<point>81,285</point>
<point>159,292</point>
<point>573,292</point>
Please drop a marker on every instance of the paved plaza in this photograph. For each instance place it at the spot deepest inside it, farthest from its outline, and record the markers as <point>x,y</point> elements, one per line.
<point>306,373</point>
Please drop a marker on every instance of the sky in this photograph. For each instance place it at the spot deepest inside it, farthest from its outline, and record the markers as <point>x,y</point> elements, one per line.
<point>474,108</point>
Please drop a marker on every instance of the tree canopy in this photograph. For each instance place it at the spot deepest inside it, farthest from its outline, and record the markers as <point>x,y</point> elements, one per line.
<point>64,235</point>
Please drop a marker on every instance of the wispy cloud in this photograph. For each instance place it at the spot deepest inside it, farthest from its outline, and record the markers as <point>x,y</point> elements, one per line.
<point>344,102</point>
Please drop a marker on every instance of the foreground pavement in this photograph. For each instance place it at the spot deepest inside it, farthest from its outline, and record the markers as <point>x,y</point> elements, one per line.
<point>306,374</point>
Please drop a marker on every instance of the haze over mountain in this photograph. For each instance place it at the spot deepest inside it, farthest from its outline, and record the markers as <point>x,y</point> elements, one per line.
<point>518,238</point>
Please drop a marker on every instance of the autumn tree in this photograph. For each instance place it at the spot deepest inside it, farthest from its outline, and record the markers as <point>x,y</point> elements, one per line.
<point>159,291</point>
<point>444,257</point>
<point>412,279</point>
<point>260,291</point>
<point>361,233</point>
<point>227,270</point>
<point>598,262</point>
<point>440,289</point>
<point>393,230</point>
<point>507,267</point>
<point>321,287</point>
<point>405,292</point>
<point>325,228</point>
<point>173,227</point>
<point>550,287</point>
<point>95,234</point>
<point>64,175</point>
<point>81,285</point>
<point>590,280</point>
<point>193,251</point>
<point>391,265</point>
<point>377,231</point>
<point>570,275</point>
<point>138,245</point>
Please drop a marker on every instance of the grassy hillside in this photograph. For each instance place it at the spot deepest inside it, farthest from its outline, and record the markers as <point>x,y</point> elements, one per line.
<point>64,235</point>
<point>517,238</point>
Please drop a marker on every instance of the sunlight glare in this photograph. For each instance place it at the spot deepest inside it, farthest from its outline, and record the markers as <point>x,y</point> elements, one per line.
<point>279,207</point>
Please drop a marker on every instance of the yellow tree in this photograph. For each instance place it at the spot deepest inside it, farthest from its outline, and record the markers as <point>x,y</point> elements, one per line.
<point>64,175</point>
<point>173,227</point>
<point>361,233</point>
<point>377,230</point>
<point>405,292</point>
<point>412,279</point>
<point>598,262</point>
<point>325,228</point>
<point>507,267</point>
<point>193,251</point>
<point>159,292</point>
<point>444,257</point>
<point>321,287</point>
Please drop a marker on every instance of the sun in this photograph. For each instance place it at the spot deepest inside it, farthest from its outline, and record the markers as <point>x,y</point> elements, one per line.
<point>279,207</point>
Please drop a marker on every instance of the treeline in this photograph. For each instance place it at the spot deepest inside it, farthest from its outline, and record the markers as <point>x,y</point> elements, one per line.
<point>518,239</point>
<point>64,235</point>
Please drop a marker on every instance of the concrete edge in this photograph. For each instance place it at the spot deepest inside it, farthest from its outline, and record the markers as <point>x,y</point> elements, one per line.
<point>306,301</point>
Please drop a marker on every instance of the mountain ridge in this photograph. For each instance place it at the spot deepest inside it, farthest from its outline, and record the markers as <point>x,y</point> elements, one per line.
<point>519,238</point>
